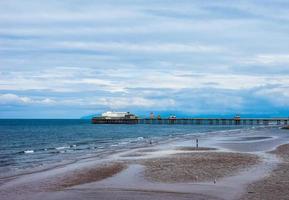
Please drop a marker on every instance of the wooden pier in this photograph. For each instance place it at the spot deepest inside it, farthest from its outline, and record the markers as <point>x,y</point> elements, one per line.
<point>196,121</point>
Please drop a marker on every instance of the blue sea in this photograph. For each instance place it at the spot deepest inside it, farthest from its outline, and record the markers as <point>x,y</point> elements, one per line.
<point>29,144</point>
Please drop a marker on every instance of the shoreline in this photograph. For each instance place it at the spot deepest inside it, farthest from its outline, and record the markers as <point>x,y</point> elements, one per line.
<point>176,167</point>
<point>103,153</point>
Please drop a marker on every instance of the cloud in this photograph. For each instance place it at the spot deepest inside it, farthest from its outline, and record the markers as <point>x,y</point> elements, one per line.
<point>54,11</point>
<point>269,59</point>
<point>136,102</point>
<point>278,95</point>
<point>12,99</point>
<point>74,57</point>
<point>119,81</point>
<point>137,47</point>
<point>58,80</point>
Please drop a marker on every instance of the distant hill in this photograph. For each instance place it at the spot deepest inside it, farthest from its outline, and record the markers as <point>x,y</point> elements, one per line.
<point>89,116</point>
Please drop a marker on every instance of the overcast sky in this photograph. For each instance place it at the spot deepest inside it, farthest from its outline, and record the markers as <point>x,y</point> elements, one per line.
<point>69,58</point>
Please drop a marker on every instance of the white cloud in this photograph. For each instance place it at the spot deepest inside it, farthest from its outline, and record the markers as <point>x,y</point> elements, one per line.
<point>173,80</point>
<point>121,102</point>
<point>59,80</point>
<point>125,102</point>
<point>140,47</point>
<point>119,81</point>
<point>269,59</point>
<point>278,95</point>
<point>12,99</point>
<point>54,11</point>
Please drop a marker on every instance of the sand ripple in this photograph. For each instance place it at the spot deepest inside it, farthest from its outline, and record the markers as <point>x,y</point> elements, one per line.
<point>201,166</point>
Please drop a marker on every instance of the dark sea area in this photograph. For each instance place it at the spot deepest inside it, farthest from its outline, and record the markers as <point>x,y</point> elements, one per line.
<point>29,144</point>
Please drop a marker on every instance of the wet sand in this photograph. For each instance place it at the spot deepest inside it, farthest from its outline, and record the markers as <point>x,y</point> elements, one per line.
<point>126,194</point>
<point>195,148</point>
<point>28,187</point>
<point>89,175</point>
<point>136,154</point>
<point>193,167</point>
<point>276,184</point>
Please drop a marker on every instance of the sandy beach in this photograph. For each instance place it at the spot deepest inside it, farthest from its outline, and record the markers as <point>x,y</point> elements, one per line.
<point>92,174</point>
<point>276,184</point>
<point>194,167</point>
<point>177,170</point>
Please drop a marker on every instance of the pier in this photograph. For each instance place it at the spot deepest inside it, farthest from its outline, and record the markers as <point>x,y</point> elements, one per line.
<point>196,121</point>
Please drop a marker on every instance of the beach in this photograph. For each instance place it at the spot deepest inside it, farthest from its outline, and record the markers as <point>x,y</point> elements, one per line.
<point>246,164</point>
<point>194,167</point>
<point>276,184</point>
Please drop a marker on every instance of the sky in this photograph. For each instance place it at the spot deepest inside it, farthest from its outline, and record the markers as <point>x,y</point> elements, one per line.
<point>70,58</point>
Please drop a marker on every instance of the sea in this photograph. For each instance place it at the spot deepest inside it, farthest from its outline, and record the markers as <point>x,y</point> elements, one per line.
<point>28,144</point>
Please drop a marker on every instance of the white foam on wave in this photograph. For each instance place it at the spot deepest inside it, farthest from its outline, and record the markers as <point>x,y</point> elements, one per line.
<point>123,143</point>
<point>28,151</point>
<point>140,138</point>
<point>60,148</point>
